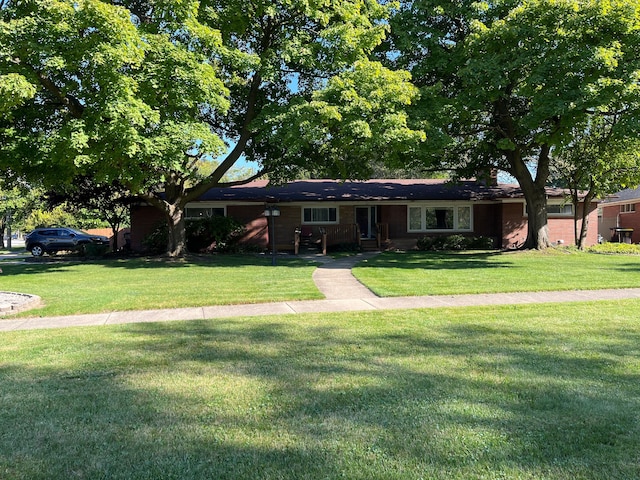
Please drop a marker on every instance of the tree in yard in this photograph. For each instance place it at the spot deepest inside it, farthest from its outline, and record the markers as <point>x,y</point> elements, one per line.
<point>110,203</point>
<point>17,203</point>
<point>10,206</point>
<point>141,92</point>
<point>504,83</point>
<point>602,158</point>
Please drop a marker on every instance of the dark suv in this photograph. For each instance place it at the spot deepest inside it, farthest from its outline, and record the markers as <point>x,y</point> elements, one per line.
<point>51,240</point>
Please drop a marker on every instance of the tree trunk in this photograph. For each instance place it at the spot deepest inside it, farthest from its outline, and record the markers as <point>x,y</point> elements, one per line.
<point>115,229</point>
<point>538,229</point>
<point>3,226</point>
<point>584,224</point>
<point>534,191</point>
<point>577,231</point>
<point>177,236</point>
<point>535,196</point>
<point>174,218</point>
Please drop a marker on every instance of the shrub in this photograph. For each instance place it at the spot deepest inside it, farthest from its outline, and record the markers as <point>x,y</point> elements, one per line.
<point>214,234</point>
<point>454,242</point>
<point>481,243</point>
<point>426,243</point>
<point>156,242</point>
<point>95,250</point>
<point>615,248</point>
<point>450,242</point>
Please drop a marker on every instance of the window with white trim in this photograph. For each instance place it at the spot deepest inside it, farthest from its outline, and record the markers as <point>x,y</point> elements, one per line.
<point>560,209</point>
<point>319,215</point>
<point>423,218</point>
<point>555,209</point>
<point>628,208</point>
<point>203,212</point>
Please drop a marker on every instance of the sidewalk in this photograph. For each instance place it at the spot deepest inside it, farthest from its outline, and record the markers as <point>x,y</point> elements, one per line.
<point>342,291</point>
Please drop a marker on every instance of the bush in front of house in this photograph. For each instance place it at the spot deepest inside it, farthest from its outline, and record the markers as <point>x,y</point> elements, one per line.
<point>480,243</point>
<point>95,250</point>
<point>612,248</point>
<point>214,234</point>
<point>156,242</point>
<point>455,243</point>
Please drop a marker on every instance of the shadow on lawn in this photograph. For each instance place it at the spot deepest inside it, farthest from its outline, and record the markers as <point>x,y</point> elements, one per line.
<point>63,264</point>
<point>438,260</point>
<point>629,267</point>
<point>282,400</point>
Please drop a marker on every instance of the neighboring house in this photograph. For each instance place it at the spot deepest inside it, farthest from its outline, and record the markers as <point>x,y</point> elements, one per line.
<point>123,236</point>
<point>620,217</point>
<point>382,213</point>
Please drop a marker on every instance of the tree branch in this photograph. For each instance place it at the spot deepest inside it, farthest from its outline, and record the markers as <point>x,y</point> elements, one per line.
<point>250,114</point>
<point>203,187</point>
<point>250,179</point>
<point>71,103</point>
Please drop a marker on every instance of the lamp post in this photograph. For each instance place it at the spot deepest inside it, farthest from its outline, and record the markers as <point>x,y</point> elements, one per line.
<point>271,212</point>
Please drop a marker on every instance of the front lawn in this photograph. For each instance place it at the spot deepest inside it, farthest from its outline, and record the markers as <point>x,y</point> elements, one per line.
<point>69,287</point>
<point>547,392</point>
<point>446,273</point>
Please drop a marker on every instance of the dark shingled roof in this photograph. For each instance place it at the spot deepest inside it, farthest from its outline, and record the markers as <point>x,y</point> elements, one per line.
<point>626,195</point>
<point>370,190</point>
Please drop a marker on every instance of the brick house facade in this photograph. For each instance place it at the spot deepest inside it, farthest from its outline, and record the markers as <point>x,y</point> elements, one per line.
<point>405,210</point>
<point>620,216</point>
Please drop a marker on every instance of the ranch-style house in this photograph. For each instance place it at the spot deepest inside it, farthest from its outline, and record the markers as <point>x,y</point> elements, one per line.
<point>375,213</point>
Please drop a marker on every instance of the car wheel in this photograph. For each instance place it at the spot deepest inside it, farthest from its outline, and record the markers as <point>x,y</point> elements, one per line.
<point>37,250</point>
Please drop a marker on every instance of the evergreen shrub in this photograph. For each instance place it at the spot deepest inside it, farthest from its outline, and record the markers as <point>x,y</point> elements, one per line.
<point>214,234</point>
<point>454,243</point>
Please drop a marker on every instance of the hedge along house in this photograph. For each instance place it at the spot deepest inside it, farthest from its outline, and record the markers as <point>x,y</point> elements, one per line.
<point>620,217</point>
<point>374,213</point>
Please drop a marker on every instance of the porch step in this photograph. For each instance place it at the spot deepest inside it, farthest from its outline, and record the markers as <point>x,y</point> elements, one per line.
<point>369,245</point>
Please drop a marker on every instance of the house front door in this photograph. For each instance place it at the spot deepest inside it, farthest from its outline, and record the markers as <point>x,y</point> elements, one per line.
<point>366,220</point>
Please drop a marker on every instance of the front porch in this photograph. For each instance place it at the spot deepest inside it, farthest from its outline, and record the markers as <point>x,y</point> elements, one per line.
<point>347,235</point>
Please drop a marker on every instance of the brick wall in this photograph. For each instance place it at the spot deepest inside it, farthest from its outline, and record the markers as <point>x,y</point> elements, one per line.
<point>612,217</point>
<point>631,220</point>
<point>486,222</point>
<point>560,228</point>
<point>505,223</point>
<point>514,225</point>
<point>608,221</point>
<point>255,223</point>
<point>143,220</point>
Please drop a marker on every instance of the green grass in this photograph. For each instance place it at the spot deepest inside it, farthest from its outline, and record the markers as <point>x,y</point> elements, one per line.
<point>137,284</point>
<point>11,250</point>
<point>438,273</point>
<point>528,392</point>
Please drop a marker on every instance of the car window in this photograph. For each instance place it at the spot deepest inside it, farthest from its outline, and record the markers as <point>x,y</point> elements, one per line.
<point>48,233</point>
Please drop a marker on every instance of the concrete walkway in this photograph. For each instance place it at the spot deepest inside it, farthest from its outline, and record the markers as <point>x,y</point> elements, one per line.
<point>342,291</point>
<point>334,279</point>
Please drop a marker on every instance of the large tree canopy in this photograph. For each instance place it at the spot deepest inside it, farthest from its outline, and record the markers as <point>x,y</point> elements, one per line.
<point>506,82</point>
<point>140,92</point>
